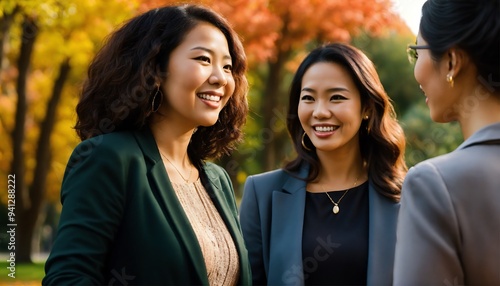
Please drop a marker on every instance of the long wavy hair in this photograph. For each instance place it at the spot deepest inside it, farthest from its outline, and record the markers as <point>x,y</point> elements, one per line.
<point>119,90</point>
<point>381,138</point>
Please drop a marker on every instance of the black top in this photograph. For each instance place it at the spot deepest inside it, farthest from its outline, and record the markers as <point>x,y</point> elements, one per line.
<point>335,246</point>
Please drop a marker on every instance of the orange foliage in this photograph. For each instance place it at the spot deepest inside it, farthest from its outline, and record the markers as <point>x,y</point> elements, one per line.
<point>76,29</point>
<point>272,26</point>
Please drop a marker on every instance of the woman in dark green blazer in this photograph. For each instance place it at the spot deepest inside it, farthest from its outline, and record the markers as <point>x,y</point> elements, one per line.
<point>141,205</point>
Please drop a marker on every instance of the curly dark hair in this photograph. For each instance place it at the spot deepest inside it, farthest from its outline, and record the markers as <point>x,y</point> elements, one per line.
<point>120,87</point>
<point>382,147</point>
<point>471,25</point>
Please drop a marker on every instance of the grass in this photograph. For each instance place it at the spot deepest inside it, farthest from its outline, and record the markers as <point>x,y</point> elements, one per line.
<point>26,274</point>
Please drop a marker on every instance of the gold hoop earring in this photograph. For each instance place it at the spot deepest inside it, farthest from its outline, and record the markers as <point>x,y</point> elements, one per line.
<point>304,144</point>
<point>367,127</point>
<point>154,106</point>
<point>449,79</point>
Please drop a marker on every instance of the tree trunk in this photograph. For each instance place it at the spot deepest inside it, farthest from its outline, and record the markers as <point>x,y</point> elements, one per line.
<point>17,168</point>
<point>30,216</point>
<point>274,97</point>
<point>5,24</point>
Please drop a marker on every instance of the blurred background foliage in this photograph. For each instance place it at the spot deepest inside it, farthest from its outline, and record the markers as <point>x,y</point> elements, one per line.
<point>46,46</point>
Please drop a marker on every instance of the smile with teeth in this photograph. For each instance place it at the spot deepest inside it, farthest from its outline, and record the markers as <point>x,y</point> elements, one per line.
<point>209,97</point>
<point>325,128</point>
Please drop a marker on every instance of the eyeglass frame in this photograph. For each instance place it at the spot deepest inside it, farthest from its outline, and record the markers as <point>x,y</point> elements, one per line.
<point>411,51</point>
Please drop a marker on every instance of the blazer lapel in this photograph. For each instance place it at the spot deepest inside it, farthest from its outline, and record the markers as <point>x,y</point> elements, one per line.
<point>287,220</point>
<point>165,195</point>
<point>382,223</point>
<point>221,203</point>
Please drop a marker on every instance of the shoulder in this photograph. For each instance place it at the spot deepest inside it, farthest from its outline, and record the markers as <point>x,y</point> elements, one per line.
<point>264,184</point>
<point>456,172</point>
<point>427,186</point>
<point>216,172</point>
<point>214,167</point>
<point>381,206</point>
<point>273,175</point>
<point>375,194</point>
<point>112,160</point>
<point>218,175</point>
<point>426,172</point>
<point>115,142</point>
<point>454,166</point>
<point>112,148</point>
<point>270,178</point>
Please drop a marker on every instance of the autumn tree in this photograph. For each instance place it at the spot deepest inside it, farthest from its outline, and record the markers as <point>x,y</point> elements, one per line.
<point>46,48</point>
<point>276,35</point>
<point>298,28</point>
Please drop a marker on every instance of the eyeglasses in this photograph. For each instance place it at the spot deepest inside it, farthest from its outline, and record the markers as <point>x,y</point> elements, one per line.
<point>411,51</point>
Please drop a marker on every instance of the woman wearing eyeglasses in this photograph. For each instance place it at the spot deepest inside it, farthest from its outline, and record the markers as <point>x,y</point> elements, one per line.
<point>449,222</point>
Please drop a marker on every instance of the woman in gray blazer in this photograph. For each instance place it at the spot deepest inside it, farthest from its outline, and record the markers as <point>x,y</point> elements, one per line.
<point>449,225</point>
<point>329,216</point>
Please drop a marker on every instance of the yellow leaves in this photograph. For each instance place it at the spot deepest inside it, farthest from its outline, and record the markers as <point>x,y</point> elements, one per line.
<point>80,49</point>
<point>76,29</point>
<point>7,6</point>
<point>70,29</point>
<point>7,113</point>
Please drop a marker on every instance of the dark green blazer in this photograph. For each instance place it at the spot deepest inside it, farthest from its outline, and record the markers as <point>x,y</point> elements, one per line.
<point>122,224</point>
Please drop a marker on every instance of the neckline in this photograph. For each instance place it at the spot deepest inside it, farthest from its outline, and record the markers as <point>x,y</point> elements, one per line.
<point>359,186</point>
<point>188,183</point>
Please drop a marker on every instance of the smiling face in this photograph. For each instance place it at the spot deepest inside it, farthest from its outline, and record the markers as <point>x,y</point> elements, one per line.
<point>199,78</point>
<point>440,97</point>
<point>330,109</point>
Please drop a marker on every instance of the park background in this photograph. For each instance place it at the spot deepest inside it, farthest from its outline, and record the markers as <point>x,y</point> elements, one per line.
<point>45,49</point>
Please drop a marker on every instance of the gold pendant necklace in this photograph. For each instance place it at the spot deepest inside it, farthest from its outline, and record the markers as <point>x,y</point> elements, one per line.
<point>336,208</point>
<point>190,169</point>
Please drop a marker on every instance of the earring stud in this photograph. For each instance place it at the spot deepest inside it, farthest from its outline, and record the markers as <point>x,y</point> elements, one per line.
<point>449,79</point>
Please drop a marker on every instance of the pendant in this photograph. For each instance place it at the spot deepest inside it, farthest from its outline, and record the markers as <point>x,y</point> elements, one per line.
<point>336,209</point>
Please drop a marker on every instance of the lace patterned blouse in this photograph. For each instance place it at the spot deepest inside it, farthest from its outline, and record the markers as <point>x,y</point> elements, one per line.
<point>218,248</point>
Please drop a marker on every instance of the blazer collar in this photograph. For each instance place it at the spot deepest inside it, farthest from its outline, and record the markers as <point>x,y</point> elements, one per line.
<point>230,218</point>
<point>165,195</point>
<point>382,221</point>
<point>483,135</point>
<point>167,199</point>
<point>295,184</point>
<point>214,179</point>
<point>147,143</point>
<point>288,206</point>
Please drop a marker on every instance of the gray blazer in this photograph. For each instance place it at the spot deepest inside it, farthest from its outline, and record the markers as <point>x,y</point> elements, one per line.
<point>449,224</point>
<point>272,215</point>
